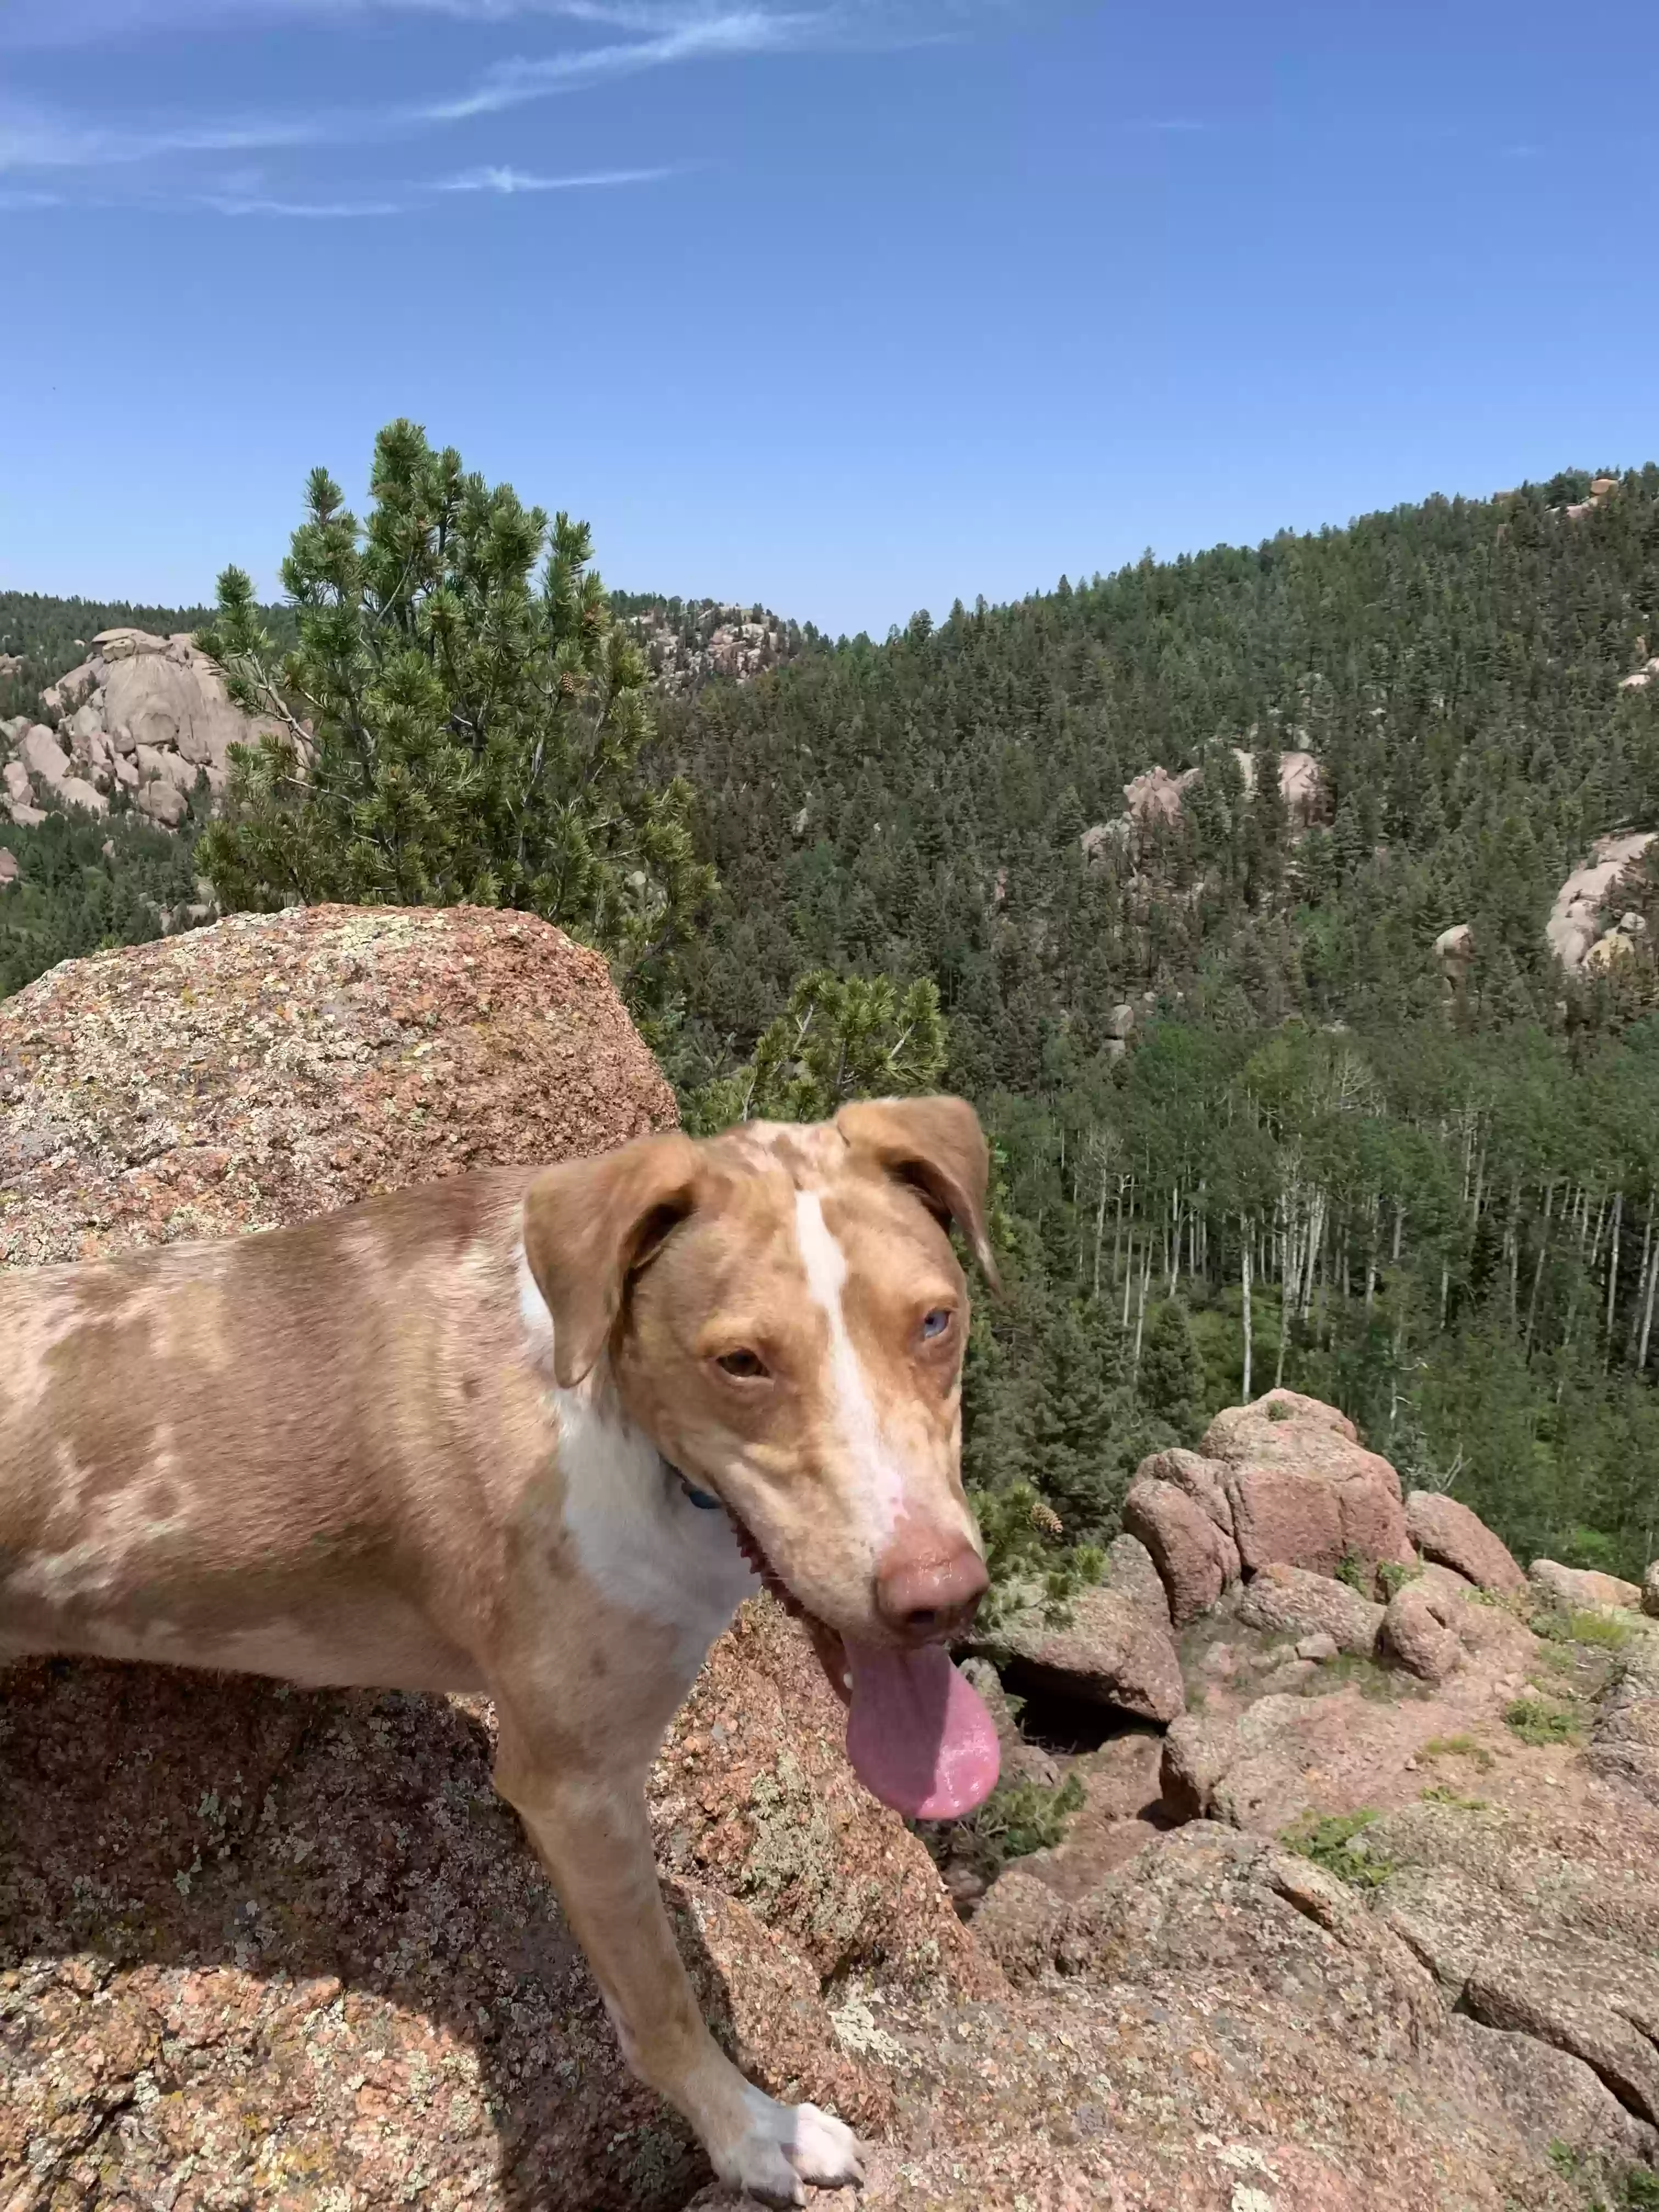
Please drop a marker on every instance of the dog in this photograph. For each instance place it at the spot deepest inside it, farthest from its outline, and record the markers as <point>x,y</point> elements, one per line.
<point>537,1433</point>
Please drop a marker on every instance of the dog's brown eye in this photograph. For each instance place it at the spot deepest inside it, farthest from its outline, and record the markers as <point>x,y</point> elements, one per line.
<point>936,1324</point>
<point>742,1363</point>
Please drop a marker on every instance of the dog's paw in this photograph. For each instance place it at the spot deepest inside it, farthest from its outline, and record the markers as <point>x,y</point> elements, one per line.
<point>784,2147</point>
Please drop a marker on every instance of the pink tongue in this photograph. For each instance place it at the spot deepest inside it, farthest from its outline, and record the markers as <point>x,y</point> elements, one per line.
<point>919,1736</point>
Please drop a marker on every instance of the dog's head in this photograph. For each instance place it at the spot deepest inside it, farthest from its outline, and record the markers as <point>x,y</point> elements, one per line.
<point>784,1316</point>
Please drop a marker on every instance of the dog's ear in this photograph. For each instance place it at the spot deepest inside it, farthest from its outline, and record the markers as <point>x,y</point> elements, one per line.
<point>589,1224</point>
<point>938,1148</point>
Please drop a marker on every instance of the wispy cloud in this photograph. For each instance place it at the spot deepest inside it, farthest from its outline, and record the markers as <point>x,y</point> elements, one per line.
<point>601,41</point>
<point>43,24</point>
<point>508,181</point>
<point>516,82</point>
<point>46,142</point>
<point>302,210</point>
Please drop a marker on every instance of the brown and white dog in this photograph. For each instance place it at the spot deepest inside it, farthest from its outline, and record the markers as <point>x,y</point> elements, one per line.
<point>478,1435</point>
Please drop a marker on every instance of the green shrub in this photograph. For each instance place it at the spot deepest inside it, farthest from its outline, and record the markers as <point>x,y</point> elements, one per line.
<point>1332,1843</point>
<point>1458,1747</point>
<point>1537,1722</point>
<point>1394,1574</point>
<point>1358,1572</point>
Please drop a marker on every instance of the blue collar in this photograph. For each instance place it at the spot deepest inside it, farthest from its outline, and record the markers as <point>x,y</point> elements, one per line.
<point>704,1500</point>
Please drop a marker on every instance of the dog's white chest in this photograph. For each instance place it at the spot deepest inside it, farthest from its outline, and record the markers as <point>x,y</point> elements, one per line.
<point>638,1538</point>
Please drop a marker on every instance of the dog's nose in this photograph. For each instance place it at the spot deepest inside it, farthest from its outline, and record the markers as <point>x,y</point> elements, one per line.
<point>926,1598</point>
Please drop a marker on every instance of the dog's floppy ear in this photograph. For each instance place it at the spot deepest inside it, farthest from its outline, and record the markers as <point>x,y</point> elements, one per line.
<point>589,1224</point>
<point>936,1146</point>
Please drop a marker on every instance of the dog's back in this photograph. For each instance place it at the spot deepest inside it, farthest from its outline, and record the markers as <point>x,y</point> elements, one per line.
<point>224,1454</point>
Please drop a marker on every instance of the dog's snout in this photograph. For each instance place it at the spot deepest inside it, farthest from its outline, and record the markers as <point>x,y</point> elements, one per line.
<point>924,1599</point>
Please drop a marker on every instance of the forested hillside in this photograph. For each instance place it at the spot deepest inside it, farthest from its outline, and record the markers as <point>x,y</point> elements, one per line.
<point>1446,1187</point>
<point>1250,1125</point>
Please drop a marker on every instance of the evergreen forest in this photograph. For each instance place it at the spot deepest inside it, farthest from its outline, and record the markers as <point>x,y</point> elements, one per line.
<point>1249,1127</point>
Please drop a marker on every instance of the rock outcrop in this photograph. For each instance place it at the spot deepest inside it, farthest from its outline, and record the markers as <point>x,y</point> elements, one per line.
<point>686,648</point>
<point>1578,922</point>
<point>1303,1491</point>
<point>1155,798</point>
<point>1444,1530</point>
<point>147,715</point>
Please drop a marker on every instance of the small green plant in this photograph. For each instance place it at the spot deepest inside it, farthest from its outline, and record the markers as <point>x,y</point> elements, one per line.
<point>1539,1722</point>
<point>1459,1747</point>
<point>1565,2159</point>
<point>1439,1793</point>
<point>1334,1843</point>
<point>1641,2190</point>
<point>1017,1819</point>
<point>1394,1574</point>
<point>1601,1629</point>
<point>1031,1560</point>
<point>1029,1816</point>
<point>1358,1572</point>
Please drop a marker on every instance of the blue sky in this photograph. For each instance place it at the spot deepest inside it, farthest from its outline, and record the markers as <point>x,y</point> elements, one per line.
<point>847,306</point>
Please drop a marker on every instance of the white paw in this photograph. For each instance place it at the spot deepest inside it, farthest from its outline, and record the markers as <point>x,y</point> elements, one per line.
<point>785,2146</point>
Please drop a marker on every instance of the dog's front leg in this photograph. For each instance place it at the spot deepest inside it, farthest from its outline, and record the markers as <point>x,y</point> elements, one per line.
<point>589,1826</point>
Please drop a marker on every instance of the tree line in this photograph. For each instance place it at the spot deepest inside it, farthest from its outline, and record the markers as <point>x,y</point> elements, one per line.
<point>1245,1129</point>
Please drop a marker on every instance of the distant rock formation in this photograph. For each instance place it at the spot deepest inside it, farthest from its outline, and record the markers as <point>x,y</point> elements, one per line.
<point>1577,929</point>
<point>1154,800</point>
<point>144,714</point>
<point>710,638</point>
<point>1454,948</point>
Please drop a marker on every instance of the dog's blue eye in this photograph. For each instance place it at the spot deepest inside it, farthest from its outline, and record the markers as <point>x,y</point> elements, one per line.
<point>936,1324</point>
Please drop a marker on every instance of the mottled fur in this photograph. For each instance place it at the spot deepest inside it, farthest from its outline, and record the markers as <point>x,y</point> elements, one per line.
<point>431,1442</point>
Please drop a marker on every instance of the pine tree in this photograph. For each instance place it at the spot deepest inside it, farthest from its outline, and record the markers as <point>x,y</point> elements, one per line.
<point>1172,1383</point>
<point>450,730</point>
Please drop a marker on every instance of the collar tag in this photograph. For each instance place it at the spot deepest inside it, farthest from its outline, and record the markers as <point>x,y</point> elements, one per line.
<point>703,1499</point>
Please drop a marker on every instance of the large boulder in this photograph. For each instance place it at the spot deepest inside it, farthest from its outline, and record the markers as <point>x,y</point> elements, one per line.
<point>1303,1491</point>
<point>1292,1601</point>
<point>1418,1628</point>
<point>1650,1591</point>
<point>42,757</point>
<point>1581,1589</point>
<point>1196,1560</point>
<point>277,1065</point>
<point>1444,1530</point>
<point>1110,1649</point>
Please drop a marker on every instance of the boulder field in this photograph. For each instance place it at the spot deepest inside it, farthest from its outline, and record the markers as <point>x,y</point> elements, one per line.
<point>1360,1908</point>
